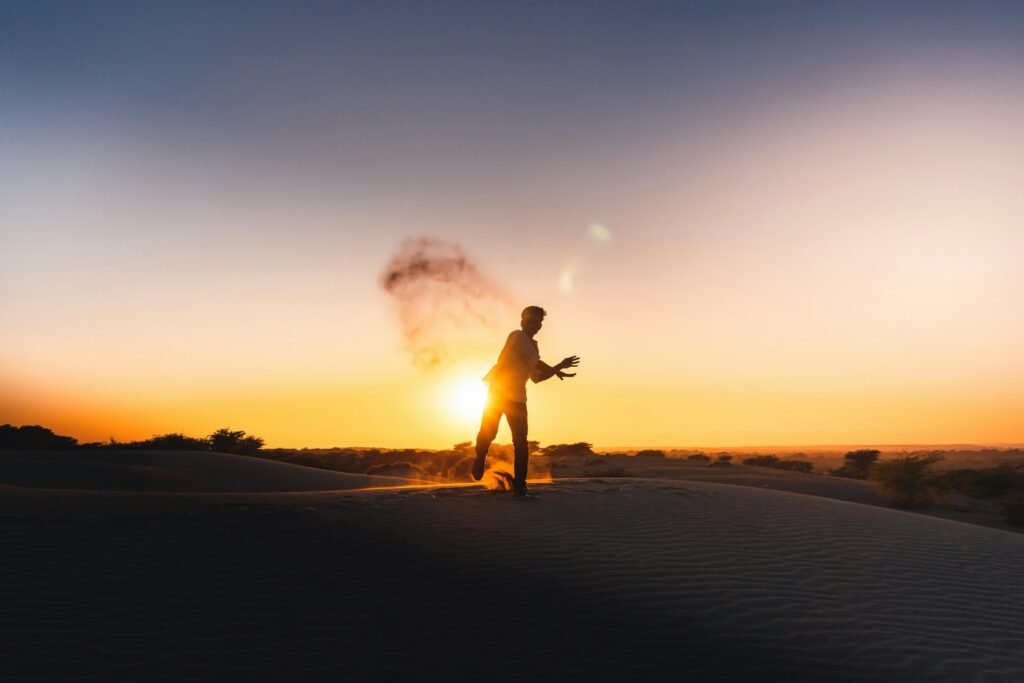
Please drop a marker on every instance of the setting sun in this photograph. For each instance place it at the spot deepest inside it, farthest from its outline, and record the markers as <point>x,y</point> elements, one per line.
<point>466,398</point>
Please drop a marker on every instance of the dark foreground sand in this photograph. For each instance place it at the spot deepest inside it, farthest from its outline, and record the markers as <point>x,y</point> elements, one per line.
<point>176,471</point>
<point>594,580</point>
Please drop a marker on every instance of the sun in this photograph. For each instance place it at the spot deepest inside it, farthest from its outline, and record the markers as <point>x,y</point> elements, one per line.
<point>467,397</point>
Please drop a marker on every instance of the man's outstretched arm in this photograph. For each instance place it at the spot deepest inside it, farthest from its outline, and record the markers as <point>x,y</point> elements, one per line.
<point>543,371</point>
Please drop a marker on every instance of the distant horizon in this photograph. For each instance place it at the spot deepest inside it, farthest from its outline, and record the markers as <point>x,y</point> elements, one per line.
<point>825,447</point>
<point>600,448</point>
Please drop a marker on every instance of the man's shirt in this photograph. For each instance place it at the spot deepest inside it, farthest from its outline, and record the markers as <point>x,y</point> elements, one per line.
<point>515,365</point>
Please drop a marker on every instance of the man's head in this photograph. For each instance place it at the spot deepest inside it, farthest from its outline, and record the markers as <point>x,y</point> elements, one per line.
<point>532,319</point>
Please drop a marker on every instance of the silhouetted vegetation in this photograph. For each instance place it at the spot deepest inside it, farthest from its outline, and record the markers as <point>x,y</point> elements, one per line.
<point>227,441</point>
<point>221,441</point>
<point>858,464</point>
<point>699,457</point>
<point>578,449</point>
<point>993,482</point>
<point>905,480</point>
<point>650,453</point>
<point>1003,484</point>
<point>779,463</point>
<point>723,460</point>
<point>34,438</point>
<point>171,442</point>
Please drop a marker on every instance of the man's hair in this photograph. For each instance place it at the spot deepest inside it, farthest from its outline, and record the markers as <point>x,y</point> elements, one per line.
<point>533,312</point>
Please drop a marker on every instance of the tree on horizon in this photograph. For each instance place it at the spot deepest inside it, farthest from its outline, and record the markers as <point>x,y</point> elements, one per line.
<point>225,440</point>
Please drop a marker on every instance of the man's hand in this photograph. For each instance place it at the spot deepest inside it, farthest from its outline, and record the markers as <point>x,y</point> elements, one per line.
<point>542,371</point>
<point>570,362</point>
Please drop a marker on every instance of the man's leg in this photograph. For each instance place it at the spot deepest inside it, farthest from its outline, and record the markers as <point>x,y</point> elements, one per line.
<point>488,430</point>
<point>517,421</point>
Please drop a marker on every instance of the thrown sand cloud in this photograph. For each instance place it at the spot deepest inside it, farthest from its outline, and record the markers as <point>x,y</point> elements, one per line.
<point>445,305</point>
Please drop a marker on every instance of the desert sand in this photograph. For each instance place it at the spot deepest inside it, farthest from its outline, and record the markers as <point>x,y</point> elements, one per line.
<point>595,579</point>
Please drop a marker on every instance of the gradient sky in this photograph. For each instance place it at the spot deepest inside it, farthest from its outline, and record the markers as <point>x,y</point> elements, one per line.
<point>815,215</point>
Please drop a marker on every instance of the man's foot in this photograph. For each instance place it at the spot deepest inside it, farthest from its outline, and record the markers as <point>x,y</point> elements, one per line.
<point>478,467</point>
<point>520,489</point>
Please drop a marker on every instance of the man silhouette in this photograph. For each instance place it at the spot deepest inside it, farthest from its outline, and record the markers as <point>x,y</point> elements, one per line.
<point>519,361</point>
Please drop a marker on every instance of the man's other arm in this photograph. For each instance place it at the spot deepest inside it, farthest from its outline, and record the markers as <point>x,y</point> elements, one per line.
<point>542,371</point>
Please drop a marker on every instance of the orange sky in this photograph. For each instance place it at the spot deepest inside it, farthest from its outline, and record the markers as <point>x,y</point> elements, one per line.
<point>829,259</point>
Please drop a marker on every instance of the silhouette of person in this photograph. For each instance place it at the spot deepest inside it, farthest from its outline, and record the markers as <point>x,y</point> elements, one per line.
<point>519,361</point>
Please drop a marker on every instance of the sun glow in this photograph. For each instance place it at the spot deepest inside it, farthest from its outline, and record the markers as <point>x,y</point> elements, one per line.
<point>466,398</point>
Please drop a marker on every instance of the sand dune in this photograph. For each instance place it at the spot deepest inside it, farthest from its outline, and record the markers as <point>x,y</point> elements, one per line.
<point>761,477</point>
<point>594,580</point>
<point>171,471</point>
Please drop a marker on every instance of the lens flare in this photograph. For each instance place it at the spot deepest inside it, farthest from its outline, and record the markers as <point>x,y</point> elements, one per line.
<point>600,232</point>
<point>567,280</point>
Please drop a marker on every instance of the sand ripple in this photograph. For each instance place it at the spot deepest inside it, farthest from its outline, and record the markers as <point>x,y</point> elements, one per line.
<point>595,580</point>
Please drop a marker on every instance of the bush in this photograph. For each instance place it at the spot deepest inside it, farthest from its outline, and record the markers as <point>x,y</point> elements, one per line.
<point>578,449</point>
<point>994,482</point>
<point>857,464</point>
<point>779,463</point>
<point>172,442</point>
<point>905,480</point>
<point>723,460</point>
<point>762,461</point>
<point>34,438</point>
<point>227,441</point>
<point>650,453</point>
<point>699,457</point>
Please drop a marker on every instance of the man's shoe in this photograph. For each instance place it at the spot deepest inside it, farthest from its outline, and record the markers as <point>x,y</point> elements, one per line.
<point>478,467</point>
<point>520,489</point>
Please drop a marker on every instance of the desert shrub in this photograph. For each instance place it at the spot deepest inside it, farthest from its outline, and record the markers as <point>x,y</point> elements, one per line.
<point>172,442</point>
<point>1012,507</point>
<point>857,464</point>
<point>994,482</point>
<point>779,463</point>
<point>905,480</point>
<point>650,453</point>
<point>699,457</point>
<point>804,466</point>
<point>578,449</point>
<point>34,438</point>
<point>596,461</point>
<point>723,460</point>
<point>227,441</point>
